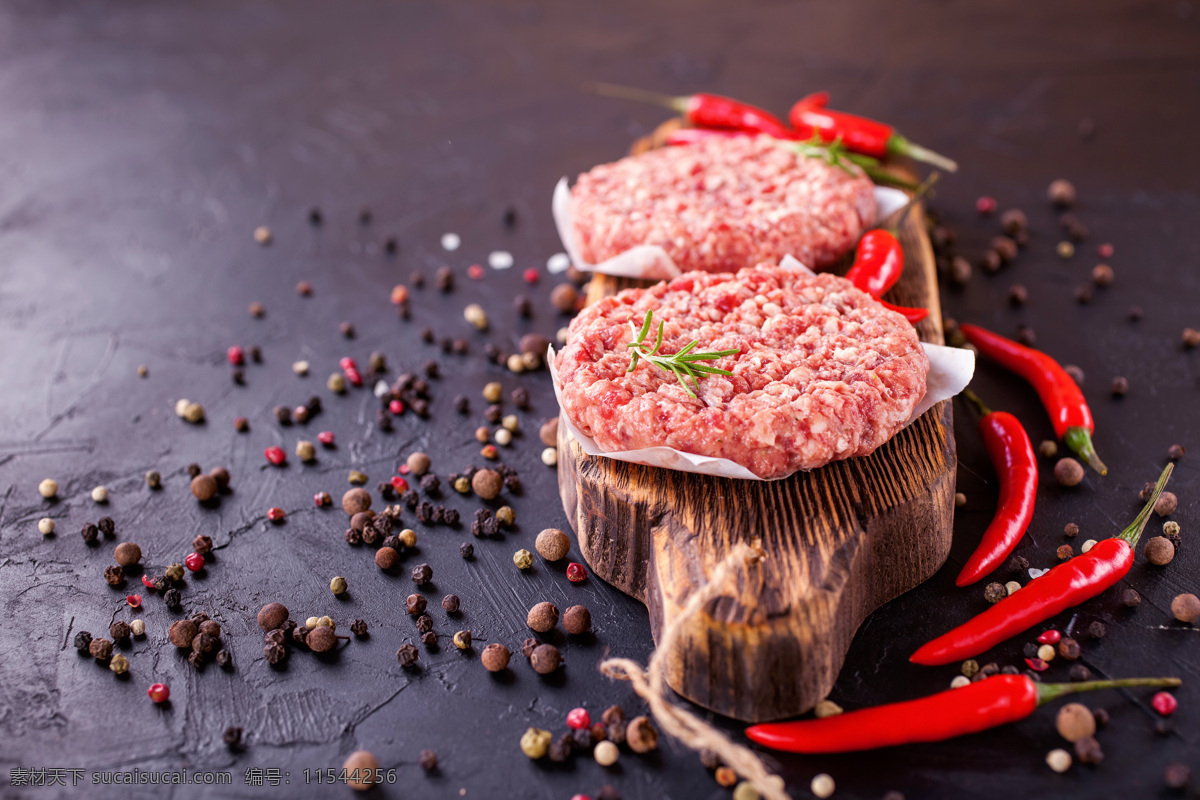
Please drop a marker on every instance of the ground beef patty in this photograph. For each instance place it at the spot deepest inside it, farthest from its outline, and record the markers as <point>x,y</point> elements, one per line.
<point>721,204</point>
<point>824,371</point>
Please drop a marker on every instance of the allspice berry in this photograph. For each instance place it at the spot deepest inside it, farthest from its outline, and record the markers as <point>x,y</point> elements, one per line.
<point>548,433</point>
<point>641,735</point>
<point>545,659</point>
<point>272,616</point>
<point>552,544</point>
<point>1068,472</point>
<point>1166,504</point>
<point>487,483</point>
<point>577,620</point>
<point>1159,551</point>
<point>542,617</point>
<point>386,557</point>
<point>1186,608</point>
<point>360,768</point>
<point>495,657</point>
<point>563,297</point>
<point>321,639</point>
<point>204,487</point>
<point>1075,721</point>
<point>181,633</point>
<point>127,554</point>
<point>356,500</point>
<point>418,464</point>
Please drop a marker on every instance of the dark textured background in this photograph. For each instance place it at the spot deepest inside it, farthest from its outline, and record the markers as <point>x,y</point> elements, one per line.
<point>141,143</point>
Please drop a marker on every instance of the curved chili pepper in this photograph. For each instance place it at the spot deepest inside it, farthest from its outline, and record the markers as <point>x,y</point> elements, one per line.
<point>859,134</point>
<point>706,110</point>
<point>878,262</point>
<point>1061,587</point>
<point>1012,457</point>
<point>976,707</point>
<point>1069,412</point>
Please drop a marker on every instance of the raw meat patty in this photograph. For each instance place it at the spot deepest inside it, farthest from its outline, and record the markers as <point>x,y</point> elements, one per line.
<point>824,371</point>
<point>721,204</point>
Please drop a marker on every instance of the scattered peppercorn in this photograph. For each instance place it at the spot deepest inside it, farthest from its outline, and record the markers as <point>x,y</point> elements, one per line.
<point>1071,530</point>
<point>1186,608</point>
<point>1058,760</point>
<point>1064,552</point>
<point>577,620</point>
<point>451,603</point>
<point>115,576</point>
<point>1079,672</point>
<point>1068,648</point>
<point>534,742</point>
<point>994,592</point>
<point>1097,630</point>
<point>1159,551</point>
<point>1191,338</point>
<point>1177,776</point>
<point>487,483</point>
<point>466,550</point>
<point>545,659</point>
<point>1068,472</point>
<point>1061,193</point>
<point>462,640</point>
<point>542,617</point>
<point>1048,448</point>
<point>1088,750</point>
<point>564,297</point>
<point>127,554</point>
<point>641,735</point>
<point>407,655</point>
<point>495,658</point>
<point>523,559</point>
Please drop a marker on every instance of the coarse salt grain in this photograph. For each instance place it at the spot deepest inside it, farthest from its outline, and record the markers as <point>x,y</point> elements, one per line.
<point>451,241</point>
<point>559,262</point>
<point>500,259</point>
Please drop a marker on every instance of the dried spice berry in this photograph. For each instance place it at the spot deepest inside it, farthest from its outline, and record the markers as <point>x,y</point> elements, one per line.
<point>561,749</point>
<point>523,559</point>
<point>119,664</point>
<point>272,615</point>
<point>641,735</point>
<point>173,598</point>
<point>535,742</point>
<point>100,649</point>
<point>429,638</point>
<point>1166,504</point>
<point>386,557</point>
<point>127,554</point>
<point>82,641</point>
<point>1097,630</point>
<point>1130,598</point>
<point>577,620</point>
<point>202,544</point>
<point>90,533</point>
<point>1074,722</point>
<point>422,574</point>
<point>462,640</point>
<point>194,561</point>
<point>1068,648</point>
<point>487,483</point>
<point>552,544</point>
<point>356,500</point>
<point>115,576</point>
<point>545,659</point>
<point>542,617</point>
<point>1088,750</point>
<point>495,658</point>
<point>120,630</point>
<point>182,633</point>
<point>1186,608</point>
<point>451,603</point>
<point>994,592</point>
<point>576,572</point>
<point>1159,551</point>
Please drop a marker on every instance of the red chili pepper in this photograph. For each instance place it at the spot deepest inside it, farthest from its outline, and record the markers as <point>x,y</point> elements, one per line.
<point>976,707</point>
<point>1063,586</point>
<point>859,134</point>
<point>878,262</point>
<point>706,110</point>
<point>1012,457</point>
<point>1069,412</point>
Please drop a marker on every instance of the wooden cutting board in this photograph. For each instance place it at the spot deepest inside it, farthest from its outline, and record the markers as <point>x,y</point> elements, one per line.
<point>839,542</point>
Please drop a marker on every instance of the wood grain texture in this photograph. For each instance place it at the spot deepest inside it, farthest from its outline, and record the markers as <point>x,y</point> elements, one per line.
<point>840,541</point>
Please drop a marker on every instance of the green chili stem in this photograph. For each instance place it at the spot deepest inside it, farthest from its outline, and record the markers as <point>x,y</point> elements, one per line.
<point>1050,691</point>
<point>975,401</point>
<point>1134,531</point>
<point>1080,441</point>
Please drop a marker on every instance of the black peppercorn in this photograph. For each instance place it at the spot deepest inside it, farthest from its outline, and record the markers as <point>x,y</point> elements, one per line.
<point>347,329</point>
<point>394,542</point>
<point>100,649</point>
<point>491,352</point>
<point>450,516</point>
<point>283,415</point>
<point>422,574</point>
<point>300,634</point>
<point>444,279</point>
<point>224,659</point>
<point>1131,598</point>
<point>420,408</point>
<point>82,641</point>
<point>114,575</point>
<point>608,792</point>
<point>107,527</point>
<point>353,536</point>
<point>172,598</point>
<point>428,760</point>
<point>520,397</point>
<point>522,305</point>
<point>425,512</point>
<point>512,483</point>
<point>466,550</point>
<point>429,639</point>
<point>119,630</point>
<point>424,623</point>
<point>561,750</point>
<point>493,414</point>
<point>1018,564</point>
<point>193,470</point>
<point>430,483</point>
<point>450,603</point>
<point>582,739</point>
<point>275,653</point>
<point>1068,648</point>
<point>232,736</point>
<point>415,604</point>
<point>1079,672</point>
<point>383,420</point>
<point>276,636</point>
<point>1097,630</point>
<point>1030,650</point>
<point>359,627</point>
<point>1101,717</point>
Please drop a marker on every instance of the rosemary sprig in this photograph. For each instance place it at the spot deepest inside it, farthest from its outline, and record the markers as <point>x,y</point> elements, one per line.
<point>835,154</point>
<point>681,364</point>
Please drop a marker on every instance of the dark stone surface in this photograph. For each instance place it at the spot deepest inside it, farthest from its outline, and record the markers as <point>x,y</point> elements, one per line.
<point>141,144</point>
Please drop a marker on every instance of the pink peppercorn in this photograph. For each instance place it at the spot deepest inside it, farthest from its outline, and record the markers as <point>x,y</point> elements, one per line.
<point>347,364</point>
<point>580,797</point>
<point>194,562</point>
<point>133,600</point>
<point>578,718</point>
<point>1050,637</point>
<point>319,499</point>
<point>1037,664</point>
<point>403,469</point>
<point>159,692</point>
<point>399,484</point>
<point>576,572</point>
<point>236,355</point>
<point>475,272</point>
<point>396,407</point>
<point>1164,703</point>
<point>531,275</point>
<point>986,205</point>
<point>275,513</point>
<point>275,455</point>
<point>325,438</point>
<point>354,377</point>
<point>1105,250</point>
<point>147,581</point>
